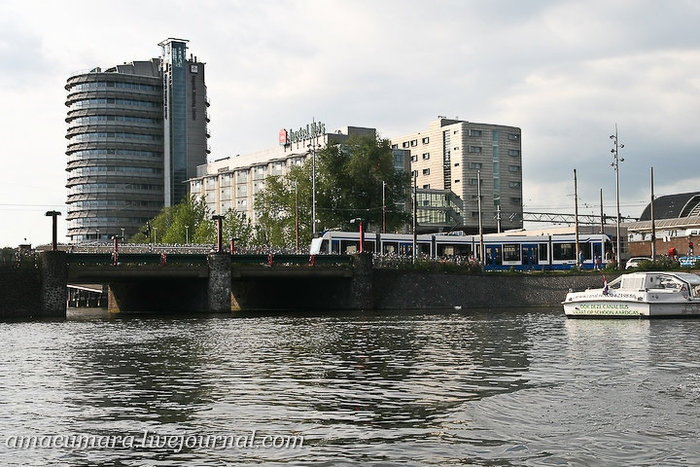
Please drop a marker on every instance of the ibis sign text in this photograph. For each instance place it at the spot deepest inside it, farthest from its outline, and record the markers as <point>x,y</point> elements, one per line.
<point>294,136</point>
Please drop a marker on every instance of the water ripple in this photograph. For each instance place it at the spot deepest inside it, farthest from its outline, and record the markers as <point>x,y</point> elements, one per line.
<point>510,387</point>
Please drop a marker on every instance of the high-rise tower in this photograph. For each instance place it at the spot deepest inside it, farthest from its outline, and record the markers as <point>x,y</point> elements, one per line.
<point>135,133</point>
<point>184,117</point>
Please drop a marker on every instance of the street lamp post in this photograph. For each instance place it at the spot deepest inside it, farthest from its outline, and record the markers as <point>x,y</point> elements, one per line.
<point>54,229</point>
<point>414,245</point>
<point>219,219</point>
<point>362,234</point>
<point>616,166</point>
<point>187,234</point>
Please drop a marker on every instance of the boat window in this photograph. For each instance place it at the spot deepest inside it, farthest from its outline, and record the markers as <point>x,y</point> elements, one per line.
<point>695,291</point>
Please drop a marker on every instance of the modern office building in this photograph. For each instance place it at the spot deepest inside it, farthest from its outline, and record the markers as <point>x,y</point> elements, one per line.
<point>233,182</point>
<point>447,158</point>
<point>136,133</point>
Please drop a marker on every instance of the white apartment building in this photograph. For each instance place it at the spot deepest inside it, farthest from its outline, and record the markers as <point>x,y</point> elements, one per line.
<point>233,182</point>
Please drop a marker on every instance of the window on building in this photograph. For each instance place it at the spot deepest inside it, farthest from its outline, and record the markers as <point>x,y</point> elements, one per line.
<point>457,181</point>
<point>514,184</point>
<point>394,146</point>
<point>456,164</point>
<point>475,165</point>
<point>513,152</point>
<point>426,187</point>
<point>414,157</point>
<point>476,149</point>
<point>414,142</point>
<point>513,137</point>
<point>405,144</point>
<point>473,181</point>
<point>426,140</point>
<point>426,156</point>
<point>426,171</point>
<point>513,168</point>
<point>474,132</point>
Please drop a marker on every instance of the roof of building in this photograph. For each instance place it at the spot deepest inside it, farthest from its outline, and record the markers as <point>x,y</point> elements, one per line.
<point>673,206</point>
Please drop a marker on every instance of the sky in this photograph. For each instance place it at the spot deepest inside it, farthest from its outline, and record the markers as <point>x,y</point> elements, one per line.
<point>566,72</point>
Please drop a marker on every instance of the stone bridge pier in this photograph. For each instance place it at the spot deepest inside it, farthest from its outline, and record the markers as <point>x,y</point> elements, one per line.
<point>54,283</point>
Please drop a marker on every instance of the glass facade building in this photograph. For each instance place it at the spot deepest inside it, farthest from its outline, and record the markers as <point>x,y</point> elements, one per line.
<point>122,165</point>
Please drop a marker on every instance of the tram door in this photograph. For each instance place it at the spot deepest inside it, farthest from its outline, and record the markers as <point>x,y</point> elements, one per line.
<point>530,256</point>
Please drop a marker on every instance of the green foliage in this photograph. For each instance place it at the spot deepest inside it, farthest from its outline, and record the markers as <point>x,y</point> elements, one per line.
<point>349,180</point>
<point>191,218</point>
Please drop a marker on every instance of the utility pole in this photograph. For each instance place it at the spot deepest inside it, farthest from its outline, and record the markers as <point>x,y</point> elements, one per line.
<point>383,207</point>
<point>296,215</point>
<point>415,213</point>
<point>616,166</point>
<point>602,218</point>
<point>653,221</point>
<point>578,252</point>
<point>482,252</point>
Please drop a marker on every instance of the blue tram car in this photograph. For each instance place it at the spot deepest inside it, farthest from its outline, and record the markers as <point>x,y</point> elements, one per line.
<point>517,251</point>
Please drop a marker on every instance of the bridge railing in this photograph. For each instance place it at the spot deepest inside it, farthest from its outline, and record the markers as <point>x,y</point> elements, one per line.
<point>97,259</point>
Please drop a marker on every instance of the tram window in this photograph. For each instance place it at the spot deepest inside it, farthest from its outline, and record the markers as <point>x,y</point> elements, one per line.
<point>424,248</point>
<point>445,250</point>
<point>563,251</point>
<point>390,248</point>
<point>350,247</point>
<point>585,248</point>
<point>324,246</point>
<point>335,247</point>
<point>543,251</point>
<point>511,252</point>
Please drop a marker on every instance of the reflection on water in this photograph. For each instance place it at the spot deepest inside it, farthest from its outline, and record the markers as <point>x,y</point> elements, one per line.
<point>510,387</point>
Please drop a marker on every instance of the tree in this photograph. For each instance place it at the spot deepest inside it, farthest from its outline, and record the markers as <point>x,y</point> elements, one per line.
<point>190,220</point>
<point>349,180</point>
<point>285,201</point>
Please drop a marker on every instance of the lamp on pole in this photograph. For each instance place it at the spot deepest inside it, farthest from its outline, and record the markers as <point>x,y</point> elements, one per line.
<point>616,166</point>
<point>482,252</point>
<point>187,234</point>
<point>383,207</point>
<point>362,234</point>
<point>219,219</point>
<point>415,214</point>
<point>54,228</point>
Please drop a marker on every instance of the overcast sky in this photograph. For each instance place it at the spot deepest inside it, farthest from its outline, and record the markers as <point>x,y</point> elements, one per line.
<point>565,72</point>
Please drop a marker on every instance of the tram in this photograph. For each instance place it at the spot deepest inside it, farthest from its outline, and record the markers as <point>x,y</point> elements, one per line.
<point>501,251</point>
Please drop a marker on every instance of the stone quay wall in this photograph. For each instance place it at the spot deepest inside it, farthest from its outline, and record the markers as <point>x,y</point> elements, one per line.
<point>399,290</point>
<point>19,293</point>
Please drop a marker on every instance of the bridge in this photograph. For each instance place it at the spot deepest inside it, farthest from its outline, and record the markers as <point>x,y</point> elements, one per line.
<point>213,282</point>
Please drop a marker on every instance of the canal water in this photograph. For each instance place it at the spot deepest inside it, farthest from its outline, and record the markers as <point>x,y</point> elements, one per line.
<point>509,387</point>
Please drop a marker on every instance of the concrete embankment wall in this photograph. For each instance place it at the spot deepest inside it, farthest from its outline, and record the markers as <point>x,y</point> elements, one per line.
<point>19,293</point>
<point>413,290</point>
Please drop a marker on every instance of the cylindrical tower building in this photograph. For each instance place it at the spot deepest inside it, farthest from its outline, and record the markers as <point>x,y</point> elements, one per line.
<point>115,150</point>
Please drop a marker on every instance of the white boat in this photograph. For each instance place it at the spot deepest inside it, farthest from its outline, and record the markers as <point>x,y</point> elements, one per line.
<point>639,294</point>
